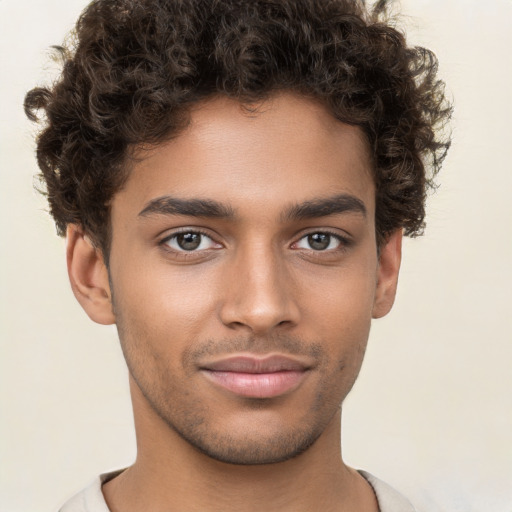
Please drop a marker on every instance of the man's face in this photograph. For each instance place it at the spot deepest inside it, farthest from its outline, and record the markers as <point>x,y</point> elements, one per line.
<point>244,273</point>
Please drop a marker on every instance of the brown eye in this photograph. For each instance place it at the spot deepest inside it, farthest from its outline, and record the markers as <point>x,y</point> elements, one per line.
<point>189,241</point>
<point>319,241</point>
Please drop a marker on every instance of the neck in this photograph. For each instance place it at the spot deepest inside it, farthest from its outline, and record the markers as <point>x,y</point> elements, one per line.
<point>171,475</point>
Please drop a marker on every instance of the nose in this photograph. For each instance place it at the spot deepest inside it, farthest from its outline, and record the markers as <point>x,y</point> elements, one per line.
<point>259,292</point>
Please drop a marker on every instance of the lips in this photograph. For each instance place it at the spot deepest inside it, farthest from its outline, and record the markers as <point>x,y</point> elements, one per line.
<point>255,377</point>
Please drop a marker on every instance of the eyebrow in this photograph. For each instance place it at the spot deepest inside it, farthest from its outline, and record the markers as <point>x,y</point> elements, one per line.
<point>209,208</point>
<point>168,205</point>
<point>342,203</point>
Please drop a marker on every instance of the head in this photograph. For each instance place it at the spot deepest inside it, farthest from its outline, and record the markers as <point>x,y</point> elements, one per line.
<point>235,178</point>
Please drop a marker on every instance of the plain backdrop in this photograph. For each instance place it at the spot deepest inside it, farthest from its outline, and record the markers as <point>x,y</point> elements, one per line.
<point>432,410</point>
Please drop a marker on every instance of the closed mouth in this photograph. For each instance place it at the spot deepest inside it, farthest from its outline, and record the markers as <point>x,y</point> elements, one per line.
<point>257,377</point>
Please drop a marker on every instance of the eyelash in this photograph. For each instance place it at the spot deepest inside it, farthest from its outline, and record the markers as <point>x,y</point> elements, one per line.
<point>183,253</point>
<point>345,242</point>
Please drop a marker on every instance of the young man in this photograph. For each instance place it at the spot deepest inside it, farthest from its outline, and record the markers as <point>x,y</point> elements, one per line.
<point>234,179</point>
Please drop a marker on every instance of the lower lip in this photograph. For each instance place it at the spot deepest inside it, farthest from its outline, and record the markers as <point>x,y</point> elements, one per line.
<point>257,385</point>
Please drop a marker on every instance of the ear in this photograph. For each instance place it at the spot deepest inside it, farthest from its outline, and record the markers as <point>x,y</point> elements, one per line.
<point>387,274</point>
<point>88,276</point>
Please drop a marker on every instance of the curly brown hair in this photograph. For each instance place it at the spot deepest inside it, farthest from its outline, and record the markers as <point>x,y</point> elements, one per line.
<point>133,68</point>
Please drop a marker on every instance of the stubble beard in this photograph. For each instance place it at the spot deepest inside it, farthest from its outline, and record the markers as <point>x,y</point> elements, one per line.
<point>188,415</point>
<point>245,449</point>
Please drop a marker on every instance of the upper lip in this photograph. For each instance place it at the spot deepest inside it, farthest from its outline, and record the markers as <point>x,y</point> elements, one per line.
<point>254,364</point>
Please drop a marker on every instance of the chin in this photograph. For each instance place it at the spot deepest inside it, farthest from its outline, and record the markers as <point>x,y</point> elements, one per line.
<point>255,452</point>
<point>251,442</point>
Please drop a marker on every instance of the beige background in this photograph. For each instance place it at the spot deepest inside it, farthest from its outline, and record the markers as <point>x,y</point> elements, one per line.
<point>432,410</point>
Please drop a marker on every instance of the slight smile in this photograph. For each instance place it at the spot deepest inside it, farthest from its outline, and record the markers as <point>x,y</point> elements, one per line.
<point>256,377</point>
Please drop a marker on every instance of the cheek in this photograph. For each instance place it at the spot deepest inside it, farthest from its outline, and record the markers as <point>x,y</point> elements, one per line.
<point>341,301</point>
<point>160,305</point>
<point>341,313</point>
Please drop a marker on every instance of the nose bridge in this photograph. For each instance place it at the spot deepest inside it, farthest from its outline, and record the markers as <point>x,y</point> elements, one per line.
<point>259,292</point>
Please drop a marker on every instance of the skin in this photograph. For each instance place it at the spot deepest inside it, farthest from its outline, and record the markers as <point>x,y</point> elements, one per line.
<point>256,285</point>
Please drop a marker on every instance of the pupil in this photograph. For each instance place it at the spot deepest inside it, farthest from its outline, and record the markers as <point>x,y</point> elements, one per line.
<point>319,241</point>
<point>189,241</point>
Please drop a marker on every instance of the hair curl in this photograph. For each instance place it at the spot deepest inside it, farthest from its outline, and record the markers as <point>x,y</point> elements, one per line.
<point>133,68</point>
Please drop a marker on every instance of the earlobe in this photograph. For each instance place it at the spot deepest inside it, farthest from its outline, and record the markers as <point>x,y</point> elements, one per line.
<point>88,276</point>
<point>387,274</point>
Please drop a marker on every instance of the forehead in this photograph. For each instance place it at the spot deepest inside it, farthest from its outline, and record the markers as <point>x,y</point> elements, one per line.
<point>284,150</point>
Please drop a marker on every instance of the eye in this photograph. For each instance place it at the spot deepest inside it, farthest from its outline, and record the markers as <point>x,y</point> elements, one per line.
<point>320,242</point>
<point>189,241</point>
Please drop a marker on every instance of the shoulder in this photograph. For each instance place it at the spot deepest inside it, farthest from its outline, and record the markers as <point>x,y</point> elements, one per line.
<point>388,498</point>
<point>91,498</point>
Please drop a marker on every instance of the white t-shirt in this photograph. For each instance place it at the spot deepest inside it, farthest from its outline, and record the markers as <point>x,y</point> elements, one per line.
<point>91,498</point>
